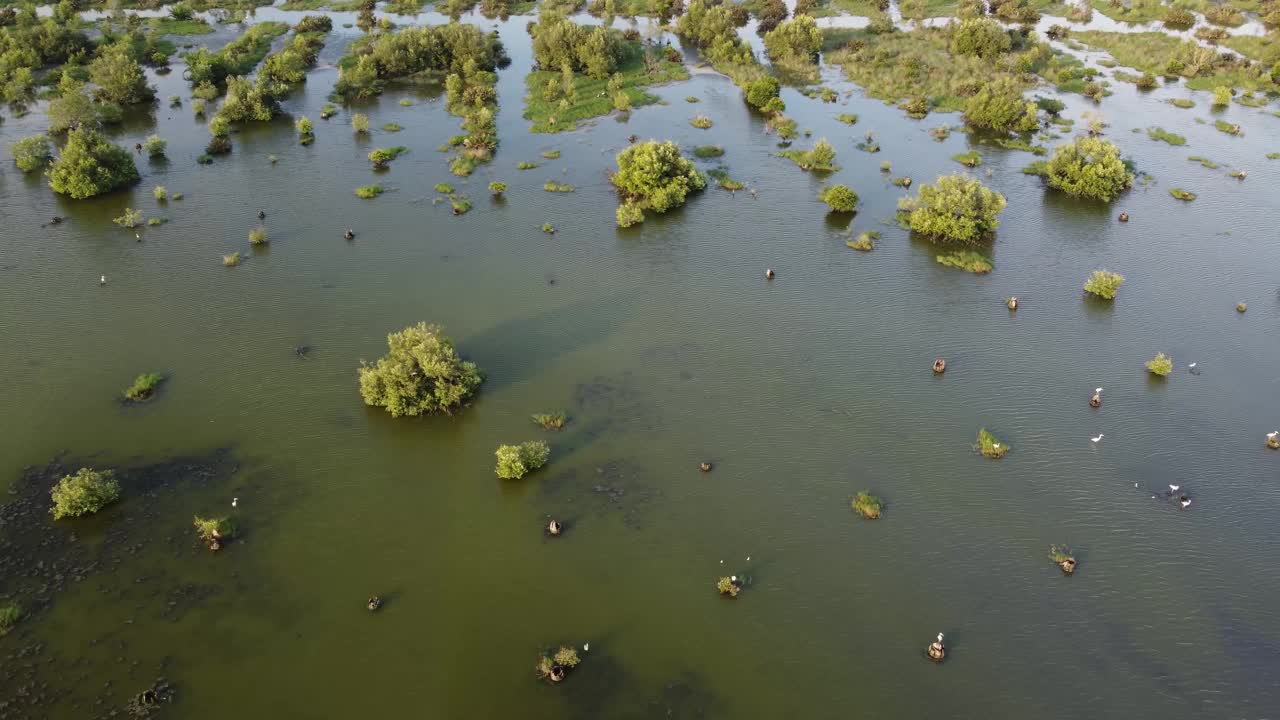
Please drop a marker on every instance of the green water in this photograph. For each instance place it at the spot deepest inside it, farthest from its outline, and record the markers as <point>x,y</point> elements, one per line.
<point>666,346</point>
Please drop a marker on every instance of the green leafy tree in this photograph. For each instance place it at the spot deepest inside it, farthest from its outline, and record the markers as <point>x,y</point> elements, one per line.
<point>840,198</point>
<point>84,493</point>
<point>73,108</point>
<point>89,165</point>
<point>1088,167</point>
<point>31,153</point>
<point>761,91</point>
<point>119,77</point>
<point>247,102</point>
<point>1104,283</point>
<point>654,176</point>
<point>154,145</point>
<point>1221,96</point>
<point>421,374</point>
<point>769,14</point>
<point>999,105</point>
<point>795,41</point>
<point>516,461</point>
<point>955,208</point>
<point>980,37</point>
<point>667,10</point>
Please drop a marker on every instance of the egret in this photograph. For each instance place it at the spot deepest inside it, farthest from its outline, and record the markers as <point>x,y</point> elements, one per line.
<point>586,647</point>
<point>1097,390</point>
<point>1097,438</point>
<point>939,637</point>
<point>995,446</point>
<point>1185,502</point>
<point>1174,488</point>
<point>748,558</point>
<point>733,578</point>
<point>1272,435</point>
<point>234,500</point>
<point>103,280</point>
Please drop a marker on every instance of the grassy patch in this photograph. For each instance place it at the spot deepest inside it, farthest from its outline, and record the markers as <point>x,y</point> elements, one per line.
<point>591,98</point>
<point>369,192</point>
<point>867,505</point>
<point>10,614</point>
<point>1228,128</point>
<point>526,165</point>
<point>968,159</point>
<point>1181,102</point>
<point>169,26</point>
<point>990,446</point>
<point>847,118</point>
<point>866,241</point>
<point>392,127</point>
<point>721,176</point>
<point>551,154</point>
<point>1204,162</point>
<point>1183,195</point>
<point>444,188</point>
<point>143,387</point>
<point>550,421</point>
<point>1158,133</point>
<point>974,262</point>
<point>706,152</point>
<point>555,187</point>
<point>1204,69</point>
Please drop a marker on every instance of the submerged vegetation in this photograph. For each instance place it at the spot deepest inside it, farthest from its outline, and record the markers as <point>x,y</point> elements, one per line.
<point>1104,284</point>
<point>1160,365</point>
<point>1158,133</point>
<point>1184,195</point>
<point>1088,167</point>
<point>969,260</point>
<point>143,387</point>
<point>867,505</point>
<point>840,198</point>
<point>83,493</point>
<point>550,421</point>
<point>820,158</point>
<point>421,374</point>
<point>516,461</point>
<point>989,446</point>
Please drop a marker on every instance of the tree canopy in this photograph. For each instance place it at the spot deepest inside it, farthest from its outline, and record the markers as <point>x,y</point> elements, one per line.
<point>955,208</point>
<point>840,198</point>
<point>999,105</point>
<point>981,37</point>
<point>1088,167</point>
<point>119,77</point>
<point>794,41</point>
<point>421,374</point>
<point>89,165</point>
<point>558,42</point>
<point>654,176</point>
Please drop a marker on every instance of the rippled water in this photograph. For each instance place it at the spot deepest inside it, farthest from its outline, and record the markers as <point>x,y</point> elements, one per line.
<point>666,346</point>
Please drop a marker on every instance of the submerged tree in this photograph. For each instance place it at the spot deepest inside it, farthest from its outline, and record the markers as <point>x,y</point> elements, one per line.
<point>119,77</point>
<point>795,41</point>
<point>982,37</point>
<point>31,153</point>
<point>516,461</point>
<point>653,176</point>
<point>840,198</point>
<point>421,374</point>
<point>954,208</point>
<point>999,105</point>
<point>89,165</point>
<point>84,493</point>
<point>1088,167</point>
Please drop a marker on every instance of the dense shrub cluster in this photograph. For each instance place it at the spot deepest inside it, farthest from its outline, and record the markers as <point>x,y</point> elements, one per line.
<point>999,105</point>
<point>1088,167</point>
<point>558,42</point>
<point>955,208</point>
<point>454,49</point>
<point>980,37</point>
<point>653,176</point>
<point>796,41</point>
<point>90,165</point>
<point>421,374</point>
<point>238,57</point>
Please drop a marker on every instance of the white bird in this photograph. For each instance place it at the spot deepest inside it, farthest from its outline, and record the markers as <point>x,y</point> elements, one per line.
<point>103,281</point>
<point>995,446</point>
<point>733,578</point>
<point>1097,390</point>
<point>586,647</point>
<point>1097,438</point>
<point>1174,488</point>
<point>1186,502</point>
<point>939,638</point>
<point>748,558</point>
<point>1272,435</point>
<point>721,562</point>
<point>234,500</point>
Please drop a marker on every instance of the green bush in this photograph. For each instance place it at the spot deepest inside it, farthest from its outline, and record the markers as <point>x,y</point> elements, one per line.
<point>118,76</point>
<point>159,193</point>
<point>969,260</point>
<point>1184,195</point>
<point>306,130</point>
<point>989,446</point>
<point>653,176</point>
<point>1104,284</point>
<point>497,187</point>
<point>258,236</point>
<point>796,41</point>
<point>840,198</point>
<point>381,157</point>
<point>231,260</point>
<point>980,37</point>
<point>368,192</point>
<point>143,387</point>
<point>1160,365</point>
<point>84,493</point>
<point>867,505</point>
<point>1088,167</point>
<point>214,529</point>
<point>760,91</point>
<point>999,105</point>
<point>728,586</point>
<point>821,157</point>
<point>516,461</point>
<point>955,208</point>
<point>130,219</point>
<point>154,146</point>
<point>89,165</point>
<point>9,616</point>
<point>360,123</point>
<point>421,374</point>
<point>32,153</point>
<point>1221,96</point>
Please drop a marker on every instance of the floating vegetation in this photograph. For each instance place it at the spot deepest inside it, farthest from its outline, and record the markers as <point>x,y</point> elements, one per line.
<point>865,242</point>
<point>972,261</point>
<point>1062,557</point>
<point>706,152</point>
<point>526,165</point>
<point>692,99</point>
<point>369,191</point>
<point>555,667</point>
<point>847,118</point>
<point>516,461</point>
<point>968,159</point>
<point>258,236</point>
<point>885,166</point>
<point>215,531</point>
<point>327,111</point>
<point>867,505</point>
<point>1204,162</point>
<point>444,188</point>
<point>550,421</point>
<point>721,176</point>
<point>548,228</point>
<point>1273,156</point>
<point>130,219</point>
<point>989,446</point>
<point>820,158</point>
<point>1226,127</point>
<point>1160,365</point>
<point>870,146</point>
<point>701,121</point>
<point>460,204</point>
<point>1238,174</point>
<point>1104,284</point>
<point>1183,195</point>
<point>231,260</point>
<point>902,182</point>
<point>155,222</point>
<point>551,154</point>
<point>405,102</point>
<point>940,133</point>
<point>553,186</point>
<point>382,157</point>
<point>729,586</point>
<point>1158,133</point>
<point>497,188</point>
<point>392,127</point>
<point>143,387</point>
<point>1182,103</point>
<point>160,193</point>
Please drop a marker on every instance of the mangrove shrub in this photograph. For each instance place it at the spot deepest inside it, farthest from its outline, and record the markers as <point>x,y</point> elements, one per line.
<point>1104,284</point>
<point>31,153</point>
<point>653,176</point>
<point>1088,167</point>
<point>999,105</point>
<point>516,461</point>
<point>840,198</point>
<point>980,37</point>
<point>795,41</point>
<point>84,493</point>
<point>89,165</point>
<point>421,374</point>
<point>955,208</point>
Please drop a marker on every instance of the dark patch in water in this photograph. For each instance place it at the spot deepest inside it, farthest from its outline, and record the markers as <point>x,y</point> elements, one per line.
<point>615,486</point>
<point>602,688</point>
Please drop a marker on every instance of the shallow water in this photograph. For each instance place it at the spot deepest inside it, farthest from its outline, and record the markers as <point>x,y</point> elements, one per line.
<point>666,346</point>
